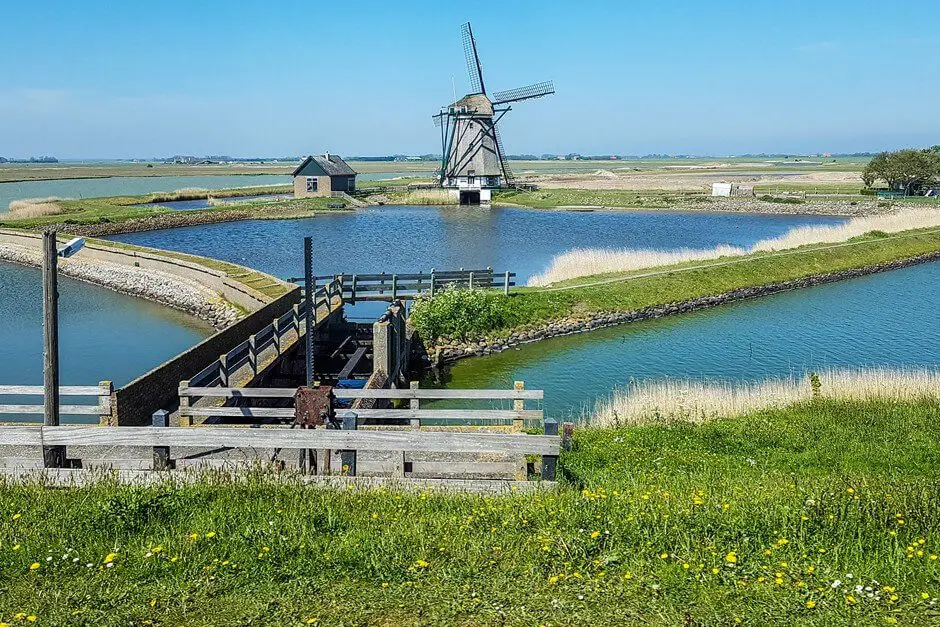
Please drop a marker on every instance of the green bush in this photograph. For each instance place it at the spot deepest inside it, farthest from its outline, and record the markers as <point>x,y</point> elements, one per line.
<point>461,314</point>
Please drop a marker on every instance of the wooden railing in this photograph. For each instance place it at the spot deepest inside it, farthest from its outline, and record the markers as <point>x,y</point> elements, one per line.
<point>518,416</point>
<point>102,391</point>
<point>365,287</point>
<point>347,441</point>
<point>220,371</point>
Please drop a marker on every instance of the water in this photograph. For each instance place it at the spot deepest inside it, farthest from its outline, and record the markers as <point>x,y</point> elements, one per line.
<point>412,239</point>
<point>888,319</point>
<point>103,335</point>
<point>140,185</point>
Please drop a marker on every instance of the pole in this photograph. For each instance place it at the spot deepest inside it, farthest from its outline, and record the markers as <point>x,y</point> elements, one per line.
<point>308,303</point>
<point>50,355</point>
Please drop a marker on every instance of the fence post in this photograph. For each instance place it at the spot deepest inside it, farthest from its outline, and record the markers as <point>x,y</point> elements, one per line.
<point>348,456</point>
<point>223,370</point>
<point>185,419</point>
<point>415,406</point>
<point>518,423</point>
<point>471,280</point>
<point>277,336</point>
<point>506,284</point>
<point>567,432</point>
<point>433,280</point>
<point>253,355</point>
<point>161,454</point>
<point>295,321</point>
<point>394,287</point>
<point>549,462</point>
<point>108,419</point>
<point>354,281</point>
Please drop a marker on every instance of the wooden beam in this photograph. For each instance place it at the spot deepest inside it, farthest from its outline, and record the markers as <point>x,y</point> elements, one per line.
<point>425,393</point>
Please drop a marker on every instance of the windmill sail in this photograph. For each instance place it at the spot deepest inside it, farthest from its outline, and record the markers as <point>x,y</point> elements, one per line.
<point>524,93</point>
<point>473,60</point>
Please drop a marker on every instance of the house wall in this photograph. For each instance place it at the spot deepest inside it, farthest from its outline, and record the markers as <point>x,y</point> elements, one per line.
<point>341,183</point>
<point>324,186</point>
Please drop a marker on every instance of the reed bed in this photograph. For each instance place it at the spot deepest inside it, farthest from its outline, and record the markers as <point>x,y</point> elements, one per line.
<point>582,262</point>
<point>35,207</point>
<point>685,400</point>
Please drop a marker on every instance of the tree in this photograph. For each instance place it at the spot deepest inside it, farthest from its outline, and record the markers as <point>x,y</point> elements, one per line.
<point>903,170</point>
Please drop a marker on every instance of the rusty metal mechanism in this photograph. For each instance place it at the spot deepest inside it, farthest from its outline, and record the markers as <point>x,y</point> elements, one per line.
<point>314,406</point>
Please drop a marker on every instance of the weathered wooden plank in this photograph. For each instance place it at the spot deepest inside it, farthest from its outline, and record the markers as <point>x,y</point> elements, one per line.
<point>234,412</point>
<point>71,410</point>
<point>21,436</point>
<point>64,390</point>
<point>424,393</point>
<point>443,469</point>
<point>352,363</point>
<point>451,414</point>
<point>22,462</point>
<point>410,441</point>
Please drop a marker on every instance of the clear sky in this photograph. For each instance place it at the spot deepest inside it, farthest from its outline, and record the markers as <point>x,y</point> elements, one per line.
<point>112,79</point>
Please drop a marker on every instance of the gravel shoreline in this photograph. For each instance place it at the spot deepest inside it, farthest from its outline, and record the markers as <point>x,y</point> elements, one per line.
<point>187,296</point>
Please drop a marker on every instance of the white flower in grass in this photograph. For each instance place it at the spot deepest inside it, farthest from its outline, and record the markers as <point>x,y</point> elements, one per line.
<point>836,584</point>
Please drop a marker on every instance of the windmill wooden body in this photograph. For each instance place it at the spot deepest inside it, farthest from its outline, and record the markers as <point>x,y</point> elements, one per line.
<point>473,160</point>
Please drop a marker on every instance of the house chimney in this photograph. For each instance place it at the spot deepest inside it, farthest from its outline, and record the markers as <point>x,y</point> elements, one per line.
<point>327,155</point>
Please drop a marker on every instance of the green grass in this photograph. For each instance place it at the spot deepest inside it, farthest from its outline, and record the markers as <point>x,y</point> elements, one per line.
<point>550,198</point>
<point>679,525</point>
<point>635,290</point>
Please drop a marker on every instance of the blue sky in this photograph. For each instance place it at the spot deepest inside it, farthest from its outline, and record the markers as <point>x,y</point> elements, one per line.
<point>140,79</point>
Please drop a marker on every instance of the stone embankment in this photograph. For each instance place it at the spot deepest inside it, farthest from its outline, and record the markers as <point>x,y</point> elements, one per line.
<point>450,351</point>
<point>166,289</point>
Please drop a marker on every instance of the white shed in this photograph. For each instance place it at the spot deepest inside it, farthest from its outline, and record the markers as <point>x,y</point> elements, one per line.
<point>721,189</point>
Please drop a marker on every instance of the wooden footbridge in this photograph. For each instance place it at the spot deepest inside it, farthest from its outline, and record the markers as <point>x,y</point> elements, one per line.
<point>360,421</point>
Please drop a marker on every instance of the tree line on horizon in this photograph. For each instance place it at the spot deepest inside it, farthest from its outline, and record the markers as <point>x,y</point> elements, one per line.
<point>909,171</point>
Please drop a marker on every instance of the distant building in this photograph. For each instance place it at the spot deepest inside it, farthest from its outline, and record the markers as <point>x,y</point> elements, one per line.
<point>722,189</point>
<point>322,175</point>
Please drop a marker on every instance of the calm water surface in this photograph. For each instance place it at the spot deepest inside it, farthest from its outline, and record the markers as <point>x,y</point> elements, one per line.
<point>103,335</point>
<point>889,319</point>
<point>412,239</point>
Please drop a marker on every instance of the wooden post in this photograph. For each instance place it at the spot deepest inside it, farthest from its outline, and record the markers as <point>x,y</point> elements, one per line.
<point>394,287</point>
<point>296,321</point>
<point>185,419</point>
<point>567,432</point>
<point>415,406</point>
<point>253,355</point>
<point>506,284</point>
<point>348,457</point>
<point>309,314</point>
<point>471,280</point>
<point>549,462</point>
<point>223,370</point>
<point>161,454</point>
<point>354,281</point>
<point>107,419</point>
<point>518,424</point>
<point>433,280</point>
<point>277,336</point>
<point>53,456</point>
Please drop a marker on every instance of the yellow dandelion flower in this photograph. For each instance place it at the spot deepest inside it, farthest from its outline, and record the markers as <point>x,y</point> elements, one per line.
<point>31,618</point>
<point>109,558</point>
<point>811,604</point>
<point>850,600</point>
<point>34,566</point>
<point>663,555</point>
<point>715,571</point>
<point>194,536</point>
<point>731,558</point>
<point>16,547</point>
<point>628,575</point>
<point>422,564</point>
<point>850,490</point>
<point>595,535</point>
<point>924,595</point>
<point>17,516</point>
<point>890,620</point>
<point>211,534</point>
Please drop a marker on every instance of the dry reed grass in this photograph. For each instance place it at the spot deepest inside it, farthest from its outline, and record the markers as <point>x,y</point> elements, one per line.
<point>685,400</point>
<point>35,207</point>
<point>593,261</point>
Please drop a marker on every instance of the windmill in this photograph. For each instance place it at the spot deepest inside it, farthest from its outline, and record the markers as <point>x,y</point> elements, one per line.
<point>474,161</point>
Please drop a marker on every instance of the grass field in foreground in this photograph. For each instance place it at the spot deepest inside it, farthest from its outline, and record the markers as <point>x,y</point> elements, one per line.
<point>824,513</point>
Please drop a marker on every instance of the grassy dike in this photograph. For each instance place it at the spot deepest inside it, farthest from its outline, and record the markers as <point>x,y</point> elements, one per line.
<point>123,214</point>
<point>454,319</point>
<point>770,518</point>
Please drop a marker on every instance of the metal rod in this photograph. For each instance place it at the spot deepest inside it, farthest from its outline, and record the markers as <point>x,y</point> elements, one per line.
<point>308,303</point>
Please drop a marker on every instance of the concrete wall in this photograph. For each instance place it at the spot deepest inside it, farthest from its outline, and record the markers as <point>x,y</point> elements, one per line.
<point>135,403</point>
<point>216,280</point>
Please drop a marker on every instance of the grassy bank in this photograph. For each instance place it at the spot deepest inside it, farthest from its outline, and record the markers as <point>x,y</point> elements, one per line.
<point>632,291</point>
<point>134,213</point>
<point>771,518</point>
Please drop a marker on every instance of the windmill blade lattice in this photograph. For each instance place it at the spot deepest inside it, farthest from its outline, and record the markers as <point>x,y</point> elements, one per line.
<point>474,69</point>
<point>528,92</point>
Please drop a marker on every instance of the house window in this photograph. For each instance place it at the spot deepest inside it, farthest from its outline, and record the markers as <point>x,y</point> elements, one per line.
<point>471,177</point>
<point>312,184</point>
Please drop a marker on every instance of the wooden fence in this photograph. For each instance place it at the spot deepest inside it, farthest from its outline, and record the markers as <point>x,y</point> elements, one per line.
<point>102,391</point>
<point>518,416</point>
<point>383,286</point>
<point>291,324</point>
